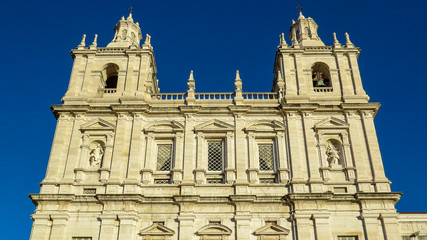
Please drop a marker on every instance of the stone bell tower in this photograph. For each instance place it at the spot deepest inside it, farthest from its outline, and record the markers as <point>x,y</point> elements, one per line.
<point>315,73</point>
<point>120,70</point>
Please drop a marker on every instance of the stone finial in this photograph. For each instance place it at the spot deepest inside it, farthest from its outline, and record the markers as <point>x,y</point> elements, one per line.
<point>123,18</point>
<point>238,82</point>
<point>301,16</point>
<point>282,40</point>
<point>238,98</point>
<point>130,17</point>
<point>191,84</point>
<point>94,43</point>
<point>147,39</point>
<point>336,43</point>
<point>294,38</point>
<point>280,84</point>
<point>83,42</point>
<point>347,40</point>
<point>293,21</point>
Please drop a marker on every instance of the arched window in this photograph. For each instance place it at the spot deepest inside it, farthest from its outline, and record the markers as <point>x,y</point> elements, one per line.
<point>110,74</point>
<point>320,75</point>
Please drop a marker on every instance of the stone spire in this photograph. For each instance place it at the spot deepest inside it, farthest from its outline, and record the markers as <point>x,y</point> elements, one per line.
<point>348,43</point>
<point>282,40</point>
<point>127,33</point>
<point>238,85</point>
<point>336,42</point>
<point>304,32</point>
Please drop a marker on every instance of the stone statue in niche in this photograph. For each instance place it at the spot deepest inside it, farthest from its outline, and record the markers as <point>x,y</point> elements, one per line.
<point>333,155</point>
<point>96,155</point>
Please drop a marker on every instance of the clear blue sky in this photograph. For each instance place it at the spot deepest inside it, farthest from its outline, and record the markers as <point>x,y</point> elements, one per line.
<point>213,38</point>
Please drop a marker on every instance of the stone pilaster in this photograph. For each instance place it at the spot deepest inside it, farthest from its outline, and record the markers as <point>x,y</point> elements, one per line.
<point>42,225</point>
<point>59,223</point>
<point>128,226</point>
<point>108,227</point>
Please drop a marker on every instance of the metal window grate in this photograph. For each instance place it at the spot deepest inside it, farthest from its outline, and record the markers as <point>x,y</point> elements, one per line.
<point>340,190</point>
<point>267,180</point>
<point>265,152</point>
<point>215,156</point>
<point>214,180</point>
<point>89,191</point>
<point>161,181</point>
<point>164,158</point>
<point>348,238</point>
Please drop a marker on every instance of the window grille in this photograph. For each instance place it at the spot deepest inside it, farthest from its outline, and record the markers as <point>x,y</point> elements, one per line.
<point>161,181</point>
<point>267,180</point>
<point>266,157</point>
<point>214,180</point>
<point>348,238</point>
<point>215,156</point>
<point>164,157</point>
<point>89,191</point>
<point>340,190</point>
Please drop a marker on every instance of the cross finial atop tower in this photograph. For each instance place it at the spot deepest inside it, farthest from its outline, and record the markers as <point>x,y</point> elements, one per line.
<point>300,8</point>
<point>130,9</point>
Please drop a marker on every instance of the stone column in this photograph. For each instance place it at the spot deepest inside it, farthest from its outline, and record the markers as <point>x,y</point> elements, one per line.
<point>135,155</point>
<point>120,153</point>
<point>106,162</point>
<point>253,161</point>
<point>179,154</point>
<point>311,153</point>
<point>356,74</point>
<point>58,153</point>
<point>84,159</point>
<point>390,225</point>
<point>364,175</point>
<point>147,172</point>
<point>108,228</point>
<point>201,161</point>
<point>231,164</point>
<point>41,227</point>
<point>283,159</point>
<point>372,226</point>
<point>77,74</point>
<point>347,83</point>
<point>322,223</point>
<point>380,179</point>
<point>304,226</point>
<point>128,228</point>
<point>186,222</point>
<point>298,161</point>
<point>59,223</point>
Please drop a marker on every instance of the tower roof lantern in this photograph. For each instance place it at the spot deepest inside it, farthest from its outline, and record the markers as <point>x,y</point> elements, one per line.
<point>303,32</point>
<point>126,33</point>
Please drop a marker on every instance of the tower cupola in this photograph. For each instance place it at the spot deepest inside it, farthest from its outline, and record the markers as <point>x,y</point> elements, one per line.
<point>303,32</point>
<point>127,33</point>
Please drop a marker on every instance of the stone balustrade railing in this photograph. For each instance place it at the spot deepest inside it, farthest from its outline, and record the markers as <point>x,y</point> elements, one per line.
<point>323,89</point>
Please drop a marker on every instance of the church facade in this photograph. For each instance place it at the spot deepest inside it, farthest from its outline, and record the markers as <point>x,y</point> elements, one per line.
<point>299,162</point>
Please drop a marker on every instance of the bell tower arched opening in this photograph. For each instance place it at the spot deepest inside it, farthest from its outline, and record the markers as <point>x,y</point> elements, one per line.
<point>110,74</point>
<point>320,75</point>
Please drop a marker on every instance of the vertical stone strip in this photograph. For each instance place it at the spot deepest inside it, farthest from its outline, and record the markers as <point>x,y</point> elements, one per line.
<point>59,222</point>
<point>311,152</point>
<point>108,228</point>
<point>299,171</point>
<point>179,158</point>
<point>364,176</point>
<point>345,80</point>
<point>136,151</point>
<point>41,227</point>
<point>356,74</point>
<point>128,226</point>
<point>189,149</point>
<point>321,222</point>
<point>372,227</point>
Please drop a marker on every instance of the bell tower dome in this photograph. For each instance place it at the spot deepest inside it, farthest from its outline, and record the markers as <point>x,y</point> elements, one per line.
<point>127,33</point>
<point>303,32</point>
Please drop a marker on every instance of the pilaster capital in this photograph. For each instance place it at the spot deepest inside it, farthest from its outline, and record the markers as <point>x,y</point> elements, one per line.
<point>65,116</point>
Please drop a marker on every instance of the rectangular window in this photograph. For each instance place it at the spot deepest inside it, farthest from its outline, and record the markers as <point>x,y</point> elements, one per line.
<point>215,156</point>
<point>348,238</point>
<point>266,156</point>
<point>164,157</point>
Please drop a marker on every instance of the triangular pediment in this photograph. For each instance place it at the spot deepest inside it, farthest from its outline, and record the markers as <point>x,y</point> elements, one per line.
<point>164,126</point>
<point>214,229</point>
<point>266,126</point>
<point>213,126</point>
<point>157,230</point>
<point>99,124</point>
<point>272,229</point>
<point>331,123</point>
